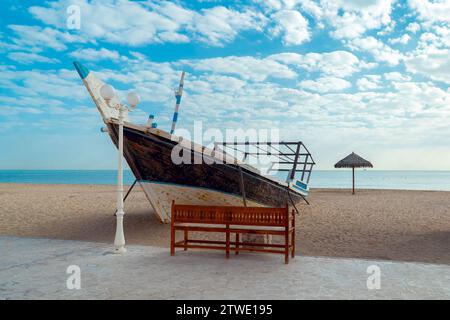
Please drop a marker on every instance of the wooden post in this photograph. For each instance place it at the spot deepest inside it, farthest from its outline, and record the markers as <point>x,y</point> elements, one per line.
<point>353,178</point>
<point>227,245</point>
<point>293,234</point>
<point>286,237</point>
<point>172,230</point>
<point>185,240</point>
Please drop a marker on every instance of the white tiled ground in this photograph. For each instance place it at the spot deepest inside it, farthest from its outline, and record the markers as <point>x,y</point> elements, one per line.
<point>36,269</point>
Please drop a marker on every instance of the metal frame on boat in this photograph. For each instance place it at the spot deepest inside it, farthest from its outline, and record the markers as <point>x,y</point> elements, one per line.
<point>292,157</point>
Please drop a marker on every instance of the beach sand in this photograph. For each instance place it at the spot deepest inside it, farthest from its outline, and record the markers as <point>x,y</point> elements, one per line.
<point>373,224</point>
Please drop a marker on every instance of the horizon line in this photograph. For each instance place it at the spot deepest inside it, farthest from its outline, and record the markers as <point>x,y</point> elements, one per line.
<point>331,169</point>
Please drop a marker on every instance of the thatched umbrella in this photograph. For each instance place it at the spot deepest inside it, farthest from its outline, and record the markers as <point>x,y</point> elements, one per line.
<point>353,161</point>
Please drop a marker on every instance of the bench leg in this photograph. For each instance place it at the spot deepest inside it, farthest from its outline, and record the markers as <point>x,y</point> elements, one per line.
<point>286,246</point>
<point>293,234</point>
<point>227,248</point>
<point>172,241</point>
<point>293,244</point>
<point>185,239</point>
<point>237,242</point>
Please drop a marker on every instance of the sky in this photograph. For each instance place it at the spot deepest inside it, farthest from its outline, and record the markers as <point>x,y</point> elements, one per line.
<point>369,76</point>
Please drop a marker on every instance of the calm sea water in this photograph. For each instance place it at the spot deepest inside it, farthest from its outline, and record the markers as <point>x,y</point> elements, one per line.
<point>368,179</point>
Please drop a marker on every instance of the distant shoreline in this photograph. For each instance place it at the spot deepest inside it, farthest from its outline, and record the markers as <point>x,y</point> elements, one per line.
<point>320,179</point>
<point>315,170</point>
<point>321,189</point>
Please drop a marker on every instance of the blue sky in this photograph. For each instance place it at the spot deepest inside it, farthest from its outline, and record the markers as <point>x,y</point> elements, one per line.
<point>369,76</point>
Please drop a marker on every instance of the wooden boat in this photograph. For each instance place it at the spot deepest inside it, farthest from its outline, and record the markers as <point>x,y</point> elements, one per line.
<point>148,152</point>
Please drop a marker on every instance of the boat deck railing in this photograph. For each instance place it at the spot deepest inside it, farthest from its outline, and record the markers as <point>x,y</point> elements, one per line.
<point>291,157</point>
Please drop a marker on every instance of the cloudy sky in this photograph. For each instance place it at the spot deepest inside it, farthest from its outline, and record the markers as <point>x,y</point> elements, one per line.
<point>370,76</point>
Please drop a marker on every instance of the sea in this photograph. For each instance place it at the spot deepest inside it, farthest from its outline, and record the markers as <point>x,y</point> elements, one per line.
<point>339,178</point>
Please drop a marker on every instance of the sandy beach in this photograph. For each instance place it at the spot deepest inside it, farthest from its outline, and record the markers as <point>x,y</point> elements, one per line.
<point>373,224</point>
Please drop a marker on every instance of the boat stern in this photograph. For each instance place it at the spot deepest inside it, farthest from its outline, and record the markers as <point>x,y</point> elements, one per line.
<point>299,186</point>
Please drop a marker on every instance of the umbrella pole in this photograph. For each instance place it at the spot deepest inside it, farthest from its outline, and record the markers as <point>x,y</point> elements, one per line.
<point>353,178</point>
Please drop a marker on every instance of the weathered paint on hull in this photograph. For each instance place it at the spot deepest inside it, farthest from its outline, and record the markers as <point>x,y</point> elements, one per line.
<point>161,196</point>
<point>149,157</point>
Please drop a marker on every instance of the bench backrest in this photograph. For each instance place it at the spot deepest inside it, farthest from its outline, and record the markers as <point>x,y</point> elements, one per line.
<point>258,216</point>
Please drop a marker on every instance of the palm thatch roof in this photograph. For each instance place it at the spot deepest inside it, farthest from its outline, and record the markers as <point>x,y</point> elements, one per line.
<point>353,161</point>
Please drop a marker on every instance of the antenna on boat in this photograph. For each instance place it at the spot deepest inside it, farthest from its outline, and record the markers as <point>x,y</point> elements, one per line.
<point>178,94</point>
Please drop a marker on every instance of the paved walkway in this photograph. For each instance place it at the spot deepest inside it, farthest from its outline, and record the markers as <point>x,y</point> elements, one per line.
<point>36,269</point>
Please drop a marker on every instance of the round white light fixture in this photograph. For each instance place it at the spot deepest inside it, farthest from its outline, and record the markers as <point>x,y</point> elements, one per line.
<point>133,99</point>
<point>107,92</point>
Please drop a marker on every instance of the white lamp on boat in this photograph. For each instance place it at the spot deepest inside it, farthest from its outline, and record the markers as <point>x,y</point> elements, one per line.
<point>133,99</point>
<point>107,92</point>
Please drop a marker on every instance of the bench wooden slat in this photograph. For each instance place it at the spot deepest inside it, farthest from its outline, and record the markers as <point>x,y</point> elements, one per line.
<point>233,219</point>
<point>273,245</point>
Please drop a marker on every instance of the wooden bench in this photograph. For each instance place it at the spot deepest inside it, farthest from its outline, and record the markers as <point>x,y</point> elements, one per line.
<point>237,220</point>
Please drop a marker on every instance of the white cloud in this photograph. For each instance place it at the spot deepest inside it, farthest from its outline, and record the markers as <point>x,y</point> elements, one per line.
<point>423,98</point>
<point>35,83</point>
<point>169,36</point>
<point>10,111</point>
<point>379,50</point>
<point>404,39</point>
<point>246,67</point>
<point>436,11</point>
<point>369,82</point>
<point>388,29</point>
<point>396,76</point>
<point>437,37</point>
<point>286,21</point>
<point>434,64</point>
<point>216,83</point>
<point>219,24</point>
<point>292,26</point>
<point>350,18</point>
<point>443,33</point>
<point>413,27</point>
<point>139,23</point>
<point>313,8</point>
<point>278,4</point>
<point>90,54</point>
<point>114,21</point>
<point>325,84</point>
<point>335,63</point>
<point>30,58</point>
<point>34,37</point>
